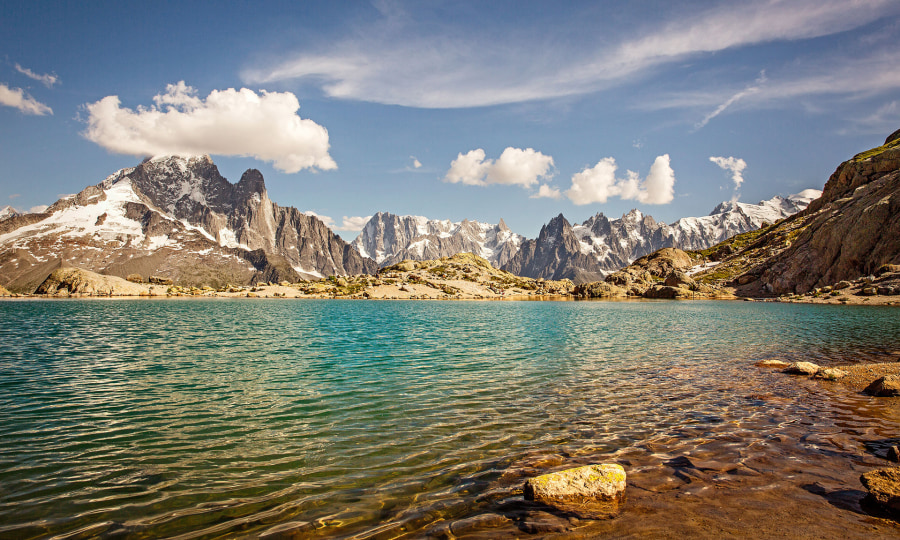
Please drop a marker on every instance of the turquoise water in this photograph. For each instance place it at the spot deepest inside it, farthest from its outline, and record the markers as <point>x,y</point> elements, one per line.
<point>221,418</point>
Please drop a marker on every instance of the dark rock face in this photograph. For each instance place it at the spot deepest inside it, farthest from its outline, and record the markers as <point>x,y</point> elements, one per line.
<point>555,254</point>
<point>177,217</point>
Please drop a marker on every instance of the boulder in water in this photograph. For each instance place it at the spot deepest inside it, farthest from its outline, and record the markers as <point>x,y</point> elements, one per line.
<point>591,492</point>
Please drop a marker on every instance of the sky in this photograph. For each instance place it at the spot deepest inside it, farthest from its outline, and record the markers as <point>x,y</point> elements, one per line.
<point>518,110</point>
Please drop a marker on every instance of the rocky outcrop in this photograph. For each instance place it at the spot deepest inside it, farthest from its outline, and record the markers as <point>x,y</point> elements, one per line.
<point>592,491</point>
<point>69,281</point>
<point>850,232</point>
<point>178,217</point>
<point>389,239</point>
<point>883,486</point>
<point>658,275</point>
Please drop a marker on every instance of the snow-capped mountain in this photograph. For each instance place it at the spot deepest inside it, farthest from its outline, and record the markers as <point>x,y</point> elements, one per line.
<point>175,217</point>
<point>589,251</point>
<point>7,212</point>
<point>388,239</point>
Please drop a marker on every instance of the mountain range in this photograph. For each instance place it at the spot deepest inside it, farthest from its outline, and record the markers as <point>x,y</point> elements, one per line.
<point>582,252</point>
<point>178,218</point>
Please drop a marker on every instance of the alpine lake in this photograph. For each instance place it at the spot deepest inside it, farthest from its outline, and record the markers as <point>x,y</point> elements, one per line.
<point>225,418</point>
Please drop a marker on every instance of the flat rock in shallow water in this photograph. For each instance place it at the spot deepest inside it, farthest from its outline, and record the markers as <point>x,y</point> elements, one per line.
<point>772,364</point>
<point>802,368</point>
<point>592,491</point>
<point>884,487</point>
<point>830,374</point>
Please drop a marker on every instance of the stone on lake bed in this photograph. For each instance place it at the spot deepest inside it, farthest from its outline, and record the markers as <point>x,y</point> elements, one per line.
<point>802,368</point>
<point>887,386</point>
<point>590,492</point>
<point>884,487</point>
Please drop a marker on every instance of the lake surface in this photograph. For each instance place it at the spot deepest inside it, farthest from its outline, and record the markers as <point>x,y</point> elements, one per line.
<point>335,419</point>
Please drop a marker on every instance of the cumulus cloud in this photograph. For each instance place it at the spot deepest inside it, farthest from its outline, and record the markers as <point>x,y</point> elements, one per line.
<point>735,165</point>
<point>546,192</point>
<point>348,223</point>
<point>47,79</point>
<point>598,183</point>
<point>353,223</point>
<point>327,220</point>
<point>415,162</point>
<point>229,122</point>
<point>19,99</point>
<point>395,60</point>
<point>514,167</point>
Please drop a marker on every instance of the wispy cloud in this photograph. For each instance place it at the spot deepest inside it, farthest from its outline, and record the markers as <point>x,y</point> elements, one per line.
<point>228,122</point>
<point>19,99</point>
<point>730,101</point>
<point>47,79</point>
<point>399,61</point>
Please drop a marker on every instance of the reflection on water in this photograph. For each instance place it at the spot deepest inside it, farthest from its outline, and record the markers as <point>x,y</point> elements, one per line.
<point>224,418</point>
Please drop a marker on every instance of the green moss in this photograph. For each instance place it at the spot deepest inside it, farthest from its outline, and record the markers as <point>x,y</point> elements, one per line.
<point>875,151</point>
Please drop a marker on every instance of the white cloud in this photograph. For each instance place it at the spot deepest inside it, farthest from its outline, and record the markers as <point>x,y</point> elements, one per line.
<point>546,192</point>
<point>735,165</point>
<point>514,167</point>
<point>17,98</point>
<point>229,122</point>
<point>415,162</point>
<point>348,223</point>
<point>328,221</point>
<point>598,183</point>
<point>38,209</point>
<point>46,79</point>
<point>353,223</point>
<point>423,61</point>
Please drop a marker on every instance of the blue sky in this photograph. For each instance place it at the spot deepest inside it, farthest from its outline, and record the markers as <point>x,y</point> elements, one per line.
<point>481,110</point>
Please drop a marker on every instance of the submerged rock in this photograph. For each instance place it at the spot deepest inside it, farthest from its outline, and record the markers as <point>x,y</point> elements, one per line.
<point>591,492</point>
<point>802,368</point>
<point>884,488</point>
<point>772,364</point>
<point>887,386</point>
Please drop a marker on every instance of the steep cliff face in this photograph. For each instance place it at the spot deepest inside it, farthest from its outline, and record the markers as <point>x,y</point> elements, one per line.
<point>389,239</point>
<point>850,232</point>
<point>178,217</point>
